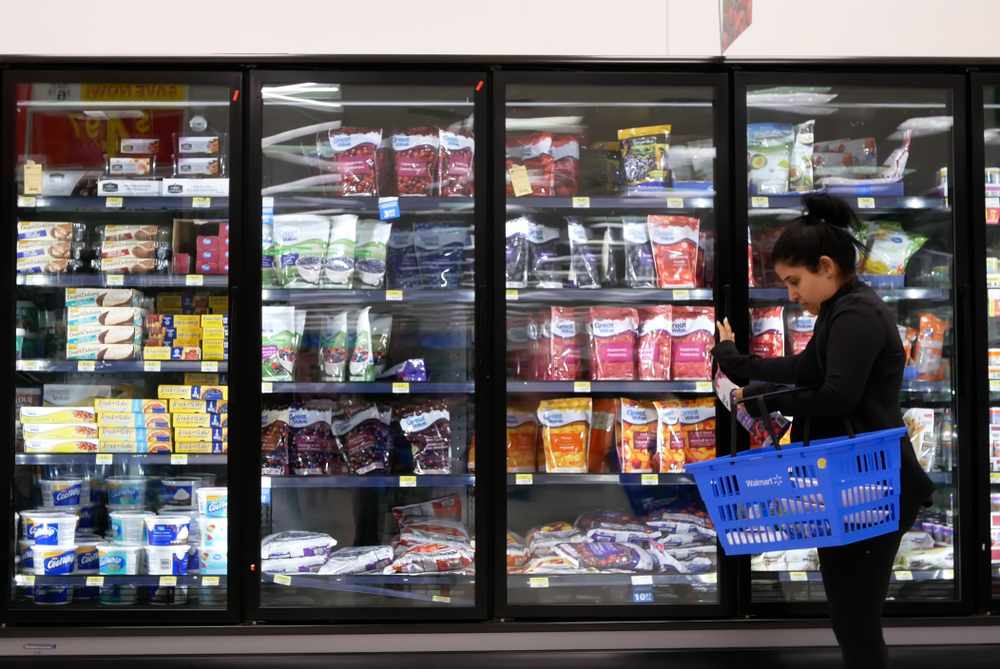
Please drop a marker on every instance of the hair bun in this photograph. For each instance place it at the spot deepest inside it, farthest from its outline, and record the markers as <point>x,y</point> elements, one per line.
<point>829,209</point>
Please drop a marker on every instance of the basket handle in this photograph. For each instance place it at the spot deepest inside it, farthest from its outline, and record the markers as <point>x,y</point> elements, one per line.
<point>766,416</point>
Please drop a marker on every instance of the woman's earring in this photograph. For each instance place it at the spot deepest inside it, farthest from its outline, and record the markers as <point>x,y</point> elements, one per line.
<point>829,275</point>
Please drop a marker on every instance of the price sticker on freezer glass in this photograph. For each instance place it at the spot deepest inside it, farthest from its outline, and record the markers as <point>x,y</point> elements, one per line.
<point>759,203</point>
<point>179,459</point>
<point>388,208</point>
<point>281,579</point>
<point>210,581</point>
<point>105,459</point>
<point>266,387</point>
<point>581,203</point>
<point>401,388</point>
<point>86,366</point>
<point>393,296</point>
<point>798,576</point>
<point>581,386</point>
<point>441,600</point>
<point>866,203</point>
<point>407,481</point>
<point>519,181</point>
<point>25,579</point>
<point>650,479</point>
<point>30,365</point>
<point>168,581</point>
<point>675,203</point>
<point>114,280</point>
<point>538,582</point>
<point>25,202</point>
<point>642,580</point>
<point>703,386</point>
<point>210,366</point>
<point>682,294</point>
<point>194,280</point>
<point>32,178</point>
<point>114,202</point>
<point>95,581</point>
<point>523,479</point>
<point>903,575</point>
<point>151,366</point>
<point>511,295</point>
<point>201,202</point>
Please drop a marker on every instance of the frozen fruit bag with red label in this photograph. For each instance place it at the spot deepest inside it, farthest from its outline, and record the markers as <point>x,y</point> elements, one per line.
<point>516,265</point>
<point>654,343</point>
<point>640,272</point>
<point>547,267</point>
<point>566,170</point>
<point>768,339</point>
<point>534,152</point>
<point>583,267</point>
<point>764,236</point>
<point>800,330</point>
<point>354,149</point>
<point>543,362</point>
<point>363,438</point>
<point>637,437</point>
<point>415,152</point>
<point>314,449</point>
<point>535,369</point>
<point>381,325</point>
<point>442,507</point>
<point>705,275</point>
<point>383,166</point>
<point>675,249</point>
<point>749,259</point>
<point>456,162</point>
<point>428,429</point>
<point>275,434</point>
<point>692,330</point>
<point>566,354</point>
<point>612,332</point>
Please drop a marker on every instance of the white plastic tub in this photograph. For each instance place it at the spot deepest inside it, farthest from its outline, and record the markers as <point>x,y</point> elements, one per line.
<point>88,560</point>
<point>180,491</point>
<point>55,530</point>
<point>31,517</point>
<point>119,560</point>
<point>168,530</point>
<point>214,531</point>
<point>167,560</point>
<point>54,560</point>
<point>126,490</point>
<point>65,491</point>
<point>194,529</point>
<point>214,560</point>
<point>208,479</point>
<point>128,527</point>
<point>53,595</point>
<point>213,502</point>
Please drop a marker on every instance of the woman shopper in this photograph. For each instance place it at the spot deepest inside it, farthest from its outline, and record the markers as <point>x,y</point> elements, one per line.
<point>852,368</point>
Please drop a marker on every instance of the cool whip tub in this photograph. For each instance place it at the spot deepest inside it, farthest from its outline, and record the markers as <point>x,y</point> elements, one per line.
<point>65,491</point>
<point>167,560</point>
<point>119,560</point>
<point>55,530</point>
<point>88,516</point>
<point>88,560</point>
<point>214,560</point>
<point>50,595</point>
<point>119,595</point>
<point>129,527</point>
<point>54,560</point>
<point>180,491</point>
<point>214,531</point>
<point>126,490</point>
<point>168,530</point>
<point>24,550</point>
<point>213,502</point>
<point>31,517</point>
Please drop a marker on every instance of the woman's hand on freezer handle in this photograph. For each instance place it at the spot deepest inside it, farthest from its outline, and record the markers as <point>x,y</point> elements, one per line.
<point>725,332</point>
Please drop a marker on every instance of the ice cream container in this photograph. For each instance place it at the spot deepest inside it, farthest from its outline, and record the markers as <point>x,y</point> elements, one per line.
<point>169,596</point>
<point>54,560</point>
<point>66,491</point>
<point>180,491</point>
<point>214,531</point>
<point>49,595</point>
<point>119,560</point>
<point>126,490</point>
<point>87,558</point>
<point>213,502</point>
<point>24,551</point>
<point>129,527</point>
<point>167,560</point>
<point>168,530</point>
<point>56,530</point>
<point>208,479</point>
<point>119,595</point>
<point>214,560</point>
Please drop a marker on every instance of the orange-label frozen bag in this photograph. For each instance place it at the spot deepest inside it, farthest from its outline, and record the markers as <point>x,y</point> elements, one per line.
<point>637,441</point>
<point>930,343</point>
<point>522,431</point>
<point>566,434</point>
<point>602,434</point>
<point>697,419</point>
<point>669,442</point>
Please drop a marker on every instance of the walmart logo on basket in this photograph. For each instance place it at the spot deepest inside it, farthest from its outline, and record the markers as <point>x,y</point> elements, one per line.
<point>758,483</point>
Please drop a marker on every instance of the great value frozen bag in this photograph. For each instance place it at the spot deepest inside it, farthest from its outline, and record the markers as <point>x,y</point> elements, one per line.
<point>675,250</point>
<point>800,330</point>
<point>369,253</point>
<point>333,347</point>
<point>600,556</point>
<point>456,162</point>
<point>363,439</point>
<point>314,449</point>
<point>640,270</point>
<point>693,330</point>
<point>583,267</point>
<point>930,345</point>
<point>432,558</point>
<point>602,434</point>
<point>279,343</point>
<point>402,271</point>
<point>612,333</point>
<point>416,155</point>
<point>890,249</point>
<point>442,507</point>
<point>362,363</point>
<point>547,266</point>
<point>920,428</point>
<point>357,560</point>
<point>757,428</point>
<point>338,265</point>
<point>637,437</point>
<point>768,327</point>
<point>522,435</point>
<point>354,150</point>
<point>275,438</point>
<point>295,544</point>
<point>768,152</point>
<point>516,267</point>
<point>566,433</point>
<point>428,430</point>
<point>800,169</point>
<point>566,167</point>
<point>440,250</point>
<point>566,357</point>
<point>697,419</point>
<point>645,157</point>
<point>301,242</point>
<point>669,442</point>
<point>654,343</point>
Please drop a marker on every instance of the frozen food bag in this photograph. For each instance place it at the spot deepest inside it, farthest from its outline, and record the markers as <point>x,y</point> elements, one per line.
<point>338,266</point>
<point>768,327</point>
<point>381,330</point>
<point>645,157</point>
<point>440,250</point>
<point>314,450</point>
<point>354,150</point>
<point>542,362</point>
<point>275,440</point>
<point>697,425</point>
<point>612,258</point>
<point>600,556</point>
<point>654,343</point>
<point>566,356</point>
<point>402,272</point>
<point>301,241</point>
<point>416,154</point>
<point>908,336</point>
<point>612,334</point>
<point>637,437</point>
<point>583,269</point>
<point>800,168</point>
<point>369,253</point>
<point>268,261</point>
<point>333,347</point>
<point>675,250</point>
<point>357,560</point>
<point>456,162</point>
<point>757,427</point>
<point>522,435</point>
<point>890,249</point>
<point>428,430</point>
<point>516,267</point>
<point>434,558</point>
<point>800,330</point>
<point>930,344</point>
<point>920,428</point>
<point>670,455</point>
<point>441,507</point>
<point>693,330</point>
<point>566,165</point>
<point>547,268</point>
<point>602,434</point>
<point>279,348</point>
<point>769,148</point>
<point>295,544</point>
<point>640,271</point>
<point>566,434</point>
<point>362,363</point>
<point>750,281</point>
<point>363,439</point>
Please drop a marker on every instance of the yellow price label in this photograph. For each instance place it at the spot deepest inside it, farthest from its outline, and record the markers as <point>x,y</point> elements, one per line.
<point>995,385</point>
<point>210,581</point>
<point>114,202</point>
<point>25,579</point>
<point>675,203</point>
<point>703,386</point>
<point>168,581</point>
<point>36,280</point>
<point>948,574</point>
<point>266,387</point>
<point>393,296</point>
<point>798,576</point>
<point>523,479</point>
<point>682,295</point>
<point>650,479</point>
<point>25,202</point>
<point>32,178</point>
<point>95,581</point>
<point>178,459</point>
<point>759,203</point>
<point>86,366</point>
<point>201,202</point>
<point>903,575</point>
<point>209,366</point>
<point>866,203</point>
<point>581,203</point>
<point>519,180</point>
<point>151,366</point>
<point>710,578</point>
<point>400,388</point>
<point>512,295</point>
<point>30,365</point>
<point>114,280</point>
<point>282,579</point>
<point>441,600</point>
<point>995,478</point>
<point>538,582</point>
<point>407,481</point>
<point>105,459</point>
<point>194,280</point>
<point>581,386</point>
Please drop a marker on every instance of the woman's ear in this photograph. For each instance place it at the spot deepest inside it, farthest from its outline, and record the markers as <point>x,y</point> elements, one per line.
<point>826,267</point>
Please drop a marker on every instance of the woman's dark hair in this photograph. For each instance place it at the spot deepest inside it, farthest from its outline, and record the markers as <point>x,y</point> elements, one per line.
<point>828,228</point>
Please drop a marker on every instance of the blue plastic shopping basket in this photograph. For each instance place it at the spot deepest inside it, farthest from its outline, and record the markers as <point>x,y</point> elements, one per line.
<point>830,492</point>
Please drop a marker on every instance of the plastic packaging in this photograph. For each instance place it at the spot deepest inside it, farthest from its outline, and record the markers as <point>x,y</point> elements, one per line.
<point>516,265</point>
<point>52,231</point>
<point>522,435</point>
<point>637,440</point>
<point>333,347</point>
<point>800,171</point>
<point>583,268</point>
<point>675,250</point>
<point>757,428</point>
<point>930,345</point>
<point>645,160</point>
<point>800,330</point>
<point>415,152</point>
<point>920,428</point>
<point>442,507</point>
<point>693,330</point>
<point>768,325</point>
<point>275,439</point>
<point>654,343</point>
<point>409,370</point>
<point>357,560</point>
<point>602,556</point>
<point>280,337</point>
<point>364,440</point>
<point>602,435</point>
<point>768,152</point>
<point>432,558</point>
<point>565,433</point>
<point>440,251</point>
<point>370,253</point>
<point>313,447</point>
<point>354,150</point>
<point>547,267</point>
<point>381,331</point>
<point>295,544</point>
<point>456,163</point>
<point>566,355</point>
<point>612,333</point>
<point>362,363</point>
<point>891,249</point>
<point>428,430</point>
<point>566,167</point>
<point>640,269</point>
<point>402,270</point>
<point>670,456</point>
<point>338,262</point>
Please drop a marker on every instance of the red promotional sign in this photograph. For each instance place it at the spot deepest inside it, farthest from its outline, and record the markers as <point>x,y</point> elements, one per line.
<point>737,15</point>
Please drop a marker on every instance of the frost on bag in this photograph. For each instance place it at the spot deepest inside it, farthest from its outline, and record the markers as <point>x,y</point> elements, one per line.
<point>612,333</point>
<point>654,343</point>
<point>637,437</point>
<point>693,331</point>
<point>566,357</point>
<point>583,267</point>
<point>755,426</point>
<point>768,332</point>
<point>800,330</point>
<point>640,271</point>
<point>428,430</point>
<point>675,250</point>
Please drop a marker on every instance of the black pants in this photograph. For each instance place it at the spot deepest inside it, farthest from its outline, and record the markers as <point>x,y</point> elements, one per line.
<point>856,578</point>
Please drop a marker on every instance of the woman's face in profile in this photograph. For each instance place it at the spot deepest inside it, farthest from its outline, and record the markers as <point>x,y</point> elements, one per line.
<point>810,289</point>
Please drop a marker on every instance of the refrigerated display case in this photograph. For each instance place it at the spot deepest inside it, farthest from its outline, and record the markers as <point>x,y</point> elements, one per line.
<point>120,202</point>
<point>370,205</point>
<point>609,287</point>
<point>887,147</point>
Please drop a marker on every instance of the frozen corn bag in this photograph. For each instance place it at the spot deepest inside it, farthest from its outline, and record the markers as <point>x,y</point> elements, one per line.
<point>637,437</point>
<point>769,148</point>
<point>768,332</point>
<point>566,433</point>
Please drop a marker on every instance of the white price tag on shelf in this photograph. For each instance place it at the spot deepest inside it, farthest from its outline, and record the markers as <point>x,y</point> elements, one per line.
<point>95,581</point>
<point>523,479</point>
<point>210,581</point>
<point>393,296</point>
<point>35,280</point>
<point>511,295</point>
<point>710,578</point>
<point>86,366</point>
<point>995,385</point>
<point>30,365</point>
<point>151,366</point>
<point>866,203</point>
<point>675,203</point>
<point>400,388</point>
<point>903,575</point>
<point>178,458</point>
<point>266,387</point>
<point>209,366</point>
<point>282,579</point>
<point>407,481</point>
<point>194,280</point>
<point>759,203</point>
<point>994,478</point>
<point>105,458</point>
<point>581,386</point>
<point>201,202</point>
<point>642,580</point>
<point>25,201</point>
<point>114,202</point>
<point>682,294</point>
<point>265,482</point>
<point>168,581</point>
<point>25,579</point>
<point>581,203</point>
<point>441,600</point>
<point>538,582</point>
<point>798,576</point>
<point>114,280</point>
<point>650,479</point>
<point>703,387</point>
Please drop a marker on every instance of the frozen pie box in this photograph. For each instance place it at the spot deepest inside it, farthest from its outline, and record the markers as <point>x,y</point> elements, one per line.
<point>58,415</point>
<point>130,167</point>
<point>133,406</point>
<point>98,351</point>
<point>49,257</point>
<point>105,316</point>
<point>132,256</point>
<point>103,334</point>
<point>52,232</point>
<point>126,419</point>
<point>102,297</point>
<point>139,233</point>
<point>60,431</point>
<point>61,446</point>
<point>140,146</point>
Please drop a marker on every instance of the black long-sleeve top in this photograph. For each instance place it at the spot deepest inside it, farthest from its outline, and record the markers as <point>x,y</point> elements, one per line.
<point>855,361</point>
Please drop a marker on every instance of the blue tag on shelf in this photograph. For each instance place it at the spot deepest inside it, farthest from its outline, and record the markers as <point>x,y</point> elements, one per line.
<point>267,210</point>
<point>388,208</point>
<point>265,495</point>
<point>642,595</point>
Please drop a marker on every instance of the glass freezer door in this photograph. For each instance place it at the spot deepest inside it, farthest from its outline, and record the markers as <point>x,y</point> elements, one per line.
<point>367,350</point>
<point>120,468</point>
<point>886,152</point>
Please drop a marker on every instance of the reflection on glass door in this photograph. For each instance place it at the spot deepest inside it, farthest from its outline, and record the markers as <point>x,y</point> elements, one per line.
<point>122,341</point>
<point>367,359</point>
<point>610,291</point>
<point>886,152</point>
